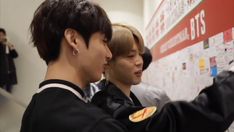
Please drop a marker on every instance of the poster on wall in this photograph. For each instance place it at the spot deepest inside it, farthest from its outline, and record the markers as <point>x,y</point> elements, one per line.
<point>191,42</point>
<point>167,15</point>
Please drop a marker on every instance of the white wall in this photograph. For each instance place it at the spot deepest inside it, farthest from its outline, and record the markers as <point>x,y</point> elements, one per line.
<point>124,11</point>
<point>149,8</point>
<point>15,17</point>
<point>10,114</point>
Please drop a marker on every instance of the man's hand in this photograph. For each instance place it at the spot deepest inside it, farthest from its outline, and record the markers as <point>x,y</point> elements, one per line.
<point>11,46</point>
<point>8,44</point>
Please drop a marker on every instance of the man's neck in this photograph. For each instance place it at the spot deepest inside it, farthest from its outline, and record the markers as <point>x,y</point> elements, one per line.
<point>125,88</point>
<point>56,70</point>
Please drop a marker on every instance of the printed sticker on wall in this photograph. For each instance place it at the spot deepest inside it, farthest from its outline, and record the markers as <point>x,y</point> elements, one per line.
<point>213,66</point>
<point>206,44</point>
<point>202,65</point>
<point>191,58</point>
<point>184,66</point>
<point>227,36</point>
<point>213,61</point>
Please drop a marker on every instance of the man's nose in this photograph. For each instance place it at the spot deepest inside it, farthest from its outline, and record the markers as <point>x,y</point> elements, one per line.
<point>139,61</point>
<point>109,54</point>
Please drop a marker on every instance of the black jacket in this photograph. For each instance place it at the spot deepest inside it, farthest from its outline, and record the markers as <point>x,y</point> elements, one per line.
<point>211,111</point>
<point>59,110</point>
<point>7,66</point>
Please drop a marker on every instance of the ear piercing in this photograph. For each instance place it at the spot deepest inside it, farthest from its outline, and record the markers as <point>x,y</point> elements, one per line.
<point>75,51</point>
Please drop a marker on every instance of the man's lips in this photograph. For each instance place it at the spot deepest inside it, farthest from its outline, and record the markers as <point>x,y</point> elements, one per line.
<point>138,73</point>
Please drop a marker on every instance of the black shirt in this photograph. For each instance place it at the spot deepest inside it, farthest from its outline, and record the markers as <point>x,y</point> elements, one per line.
<point>7,66</point>
<point>56,109</point>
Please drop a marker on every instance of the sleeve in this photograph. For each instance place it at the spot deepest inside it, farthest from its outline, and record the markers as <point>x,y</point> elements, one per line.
<point>109,125</point>
<point>13,53</point>
<point>212,110</point>
<point>156,97</point>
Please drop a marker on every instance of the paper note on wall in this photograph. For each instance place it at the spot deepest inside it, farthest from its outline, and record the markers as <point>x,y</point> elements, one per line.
<point>202,65</point>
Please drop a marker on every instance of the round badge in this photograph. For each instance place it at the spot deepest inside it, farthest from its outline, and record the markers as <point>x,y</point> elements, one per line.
<point>142,114</point>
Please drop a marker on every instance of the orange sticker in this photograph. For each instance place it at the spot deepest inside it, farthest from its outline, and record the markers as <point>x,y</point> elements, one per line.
<point>142,114</point>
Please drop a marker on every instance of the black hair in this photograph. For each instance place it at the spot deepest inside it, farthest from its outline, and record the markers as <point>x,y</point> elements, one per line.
<point>147,58</point>
<point>53,17</point>
<point>3,31</point>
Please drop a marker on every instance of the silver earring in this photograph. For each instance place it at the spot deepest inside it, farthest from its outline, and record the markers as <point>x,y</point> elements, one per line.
<point>75,51</point>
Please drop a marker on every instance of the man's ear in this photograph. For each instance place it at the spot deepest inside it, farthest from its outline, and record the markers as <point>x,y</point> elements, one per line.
<point>71,36</point>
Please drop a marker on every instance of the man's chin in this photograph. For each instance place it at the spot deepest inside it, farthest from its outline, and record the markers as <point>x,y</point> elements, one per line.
<point>137,82</point>
<point>96,78</point>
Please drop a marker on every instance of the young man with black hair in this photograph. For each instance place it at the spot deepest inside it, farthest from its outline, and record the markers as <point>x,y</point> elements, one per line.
<point>71,37</point>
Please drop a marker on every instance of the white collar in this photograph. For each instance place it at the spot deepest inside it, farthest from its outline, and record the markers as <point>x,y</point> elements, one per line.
<point>61,86</point>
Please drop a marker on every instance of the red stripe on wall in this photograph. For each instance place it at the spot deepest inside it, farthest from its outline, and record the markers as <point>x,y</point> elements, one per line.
<point>219,16</point>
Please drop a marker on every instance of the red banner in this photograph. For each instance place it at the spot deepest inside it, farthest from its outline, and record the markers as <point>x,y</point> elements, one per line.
<point>207,19</point>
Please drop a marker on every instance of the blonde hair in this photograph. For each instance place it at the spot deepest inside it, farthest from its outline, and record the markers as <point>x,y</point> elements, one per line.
<point>123,39</point>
